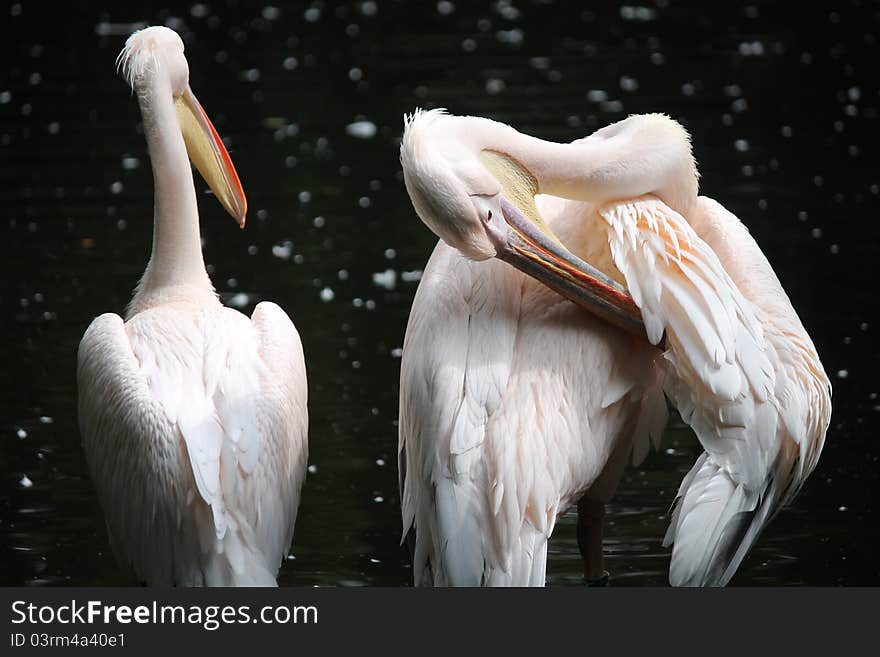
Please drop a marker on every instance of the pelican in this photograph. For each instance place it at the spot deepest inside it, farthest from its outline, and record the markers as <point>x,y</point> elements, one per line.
<point>516,404</point>
<point>193,416</point>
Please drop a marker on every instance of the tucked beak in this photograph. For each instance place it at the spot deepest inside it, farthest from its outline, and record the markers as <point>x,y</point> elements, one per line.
<point>522,239</point>
<point>209,155</point>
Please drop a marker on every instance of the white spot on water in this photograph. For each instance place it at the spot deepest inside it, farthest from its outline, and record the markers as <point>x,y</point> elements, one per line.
<point>513,37</point>
<point>612,106</point>
<point>105,28</point>
<point>494,86</point>
<point>386,279</point>
<point>327,295</point>
<point>637,13</point>
<point>732,91</point>
<point>250,75</point>
<point>361,129</point>
<point>445,8</point>
<point>506,10</point>
<point>539,63</point>
<point>283,250</point>
<point>628,83</point>
<point>239,300</point>
<point>751,49</point>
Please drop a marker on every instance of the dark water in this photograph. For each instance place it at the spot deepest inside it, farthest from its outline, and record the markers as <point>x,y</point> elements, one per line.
<point>783,109</point>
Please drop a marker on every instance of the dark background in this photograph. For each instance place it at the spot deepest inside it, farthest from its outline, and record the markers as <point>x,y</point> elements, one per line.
<point>781,100</point>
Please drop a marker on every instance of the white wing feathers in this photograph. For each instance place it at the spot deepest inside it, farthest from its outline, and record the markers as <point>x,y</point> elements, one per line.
<point>501,426</point>
<point>442,496</point>
<point>128,438</point>
<point>652,416</point>
<point>188,410</point>
<point>732,379</point>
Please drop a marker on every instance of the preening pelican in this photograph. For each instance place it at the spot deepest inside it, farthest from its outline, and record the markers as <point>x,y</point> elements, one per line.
<point>193,417</point>
<point>515,404</point>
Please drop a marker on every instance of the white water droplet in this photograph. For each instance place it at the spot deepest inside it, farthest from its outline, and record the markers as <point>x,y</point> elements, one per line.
<point>283,250</point>
<point>361,129</point>
<point>385,279</point>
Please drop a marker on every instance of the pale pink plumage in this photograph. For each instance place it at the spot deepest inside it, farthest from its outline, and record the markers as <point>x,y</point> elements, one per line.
<point>193,416</point>
<point>739,365</point>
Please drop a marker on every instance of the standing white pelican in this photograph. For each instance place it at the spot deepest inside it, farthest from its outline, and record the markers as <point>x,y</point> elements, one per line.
<point>193,416</point>
<point>515,404</point>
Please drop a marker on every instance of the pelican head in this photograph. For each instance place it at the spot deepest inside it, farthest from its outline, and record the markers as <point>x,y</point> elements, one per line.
<point>152,63</point>
<point>468,183</point>
<point>449,188</point>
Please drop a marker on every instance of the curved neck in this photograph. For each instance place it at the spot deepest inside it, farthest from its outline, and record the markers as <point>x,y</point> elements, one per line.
<point>644,154</point>
<point>176,258</point>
